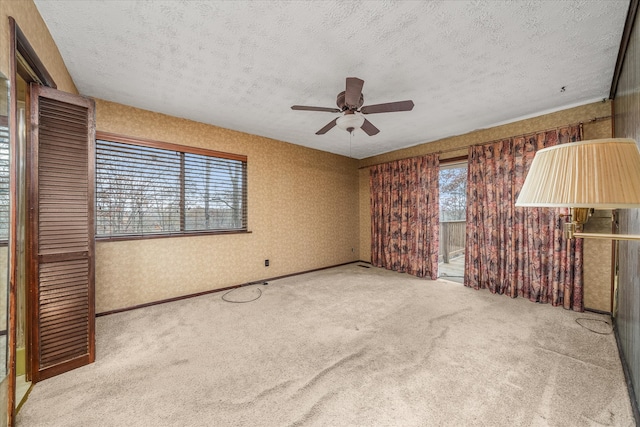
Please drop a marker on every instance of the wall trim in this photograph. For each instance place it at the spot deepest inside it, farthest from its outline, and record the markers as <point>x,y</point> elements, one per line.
<point>627,376</point>
<point>595,310</point>
<point>624,44</point>
<point>28,53</point>
<point>212,291</point>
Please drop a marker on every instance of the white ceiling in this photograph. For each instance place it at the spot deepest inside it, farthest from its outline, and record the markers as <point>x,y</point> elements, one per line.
<point>242,64</point>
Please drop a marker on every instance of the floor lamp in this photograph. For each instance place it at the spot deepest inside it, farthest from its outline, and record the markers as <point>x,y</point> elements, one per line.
<point>586,175</point>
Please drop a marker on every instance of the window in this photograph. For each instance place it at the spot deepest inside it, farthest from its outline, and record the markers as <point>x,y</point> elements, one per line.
<point>146,188</point>
<point>453,192</point>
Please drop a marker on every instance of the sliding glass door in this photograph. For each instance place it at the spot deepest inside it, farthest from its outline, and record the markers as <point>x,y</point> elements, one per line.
<point>453,202</point>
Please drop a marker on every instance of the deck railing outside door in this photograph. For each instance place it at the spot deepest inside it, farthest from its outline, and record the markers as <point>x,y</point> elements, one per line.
<point>452,236</point>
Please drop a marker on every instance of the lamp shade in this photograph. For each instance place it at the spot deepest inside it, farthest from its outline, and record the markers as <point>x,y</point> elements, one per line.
<point>601,174</point>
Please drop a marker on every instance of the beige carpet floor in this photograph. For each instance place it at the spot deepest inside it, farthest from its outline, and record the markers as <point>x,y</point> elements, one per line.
<point>349,346</point>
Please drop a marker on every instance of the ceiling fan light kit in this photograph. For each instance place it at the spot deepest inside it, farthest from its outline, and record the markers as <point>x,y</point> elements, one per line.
<point>350,105</point>
<point>350,122</point>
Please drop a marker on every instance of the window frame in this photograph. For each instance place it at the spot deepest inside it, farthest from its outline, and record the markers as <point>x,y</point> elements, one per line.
<point>148,143</point>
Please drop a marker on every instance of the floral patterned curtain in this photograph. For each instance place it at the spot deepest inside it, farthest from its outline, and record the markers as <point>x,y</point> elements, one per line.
<point>518,251</point>
<point>404,215</point>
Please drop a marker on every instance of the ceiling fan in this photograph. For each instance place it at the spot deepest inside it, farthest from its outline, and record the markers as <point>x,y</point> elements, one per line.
<point>350,103</point>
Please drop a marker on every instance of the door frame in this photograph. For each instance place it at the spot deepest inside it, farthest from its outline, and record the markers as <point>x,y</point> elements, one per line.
<point>30,68</point>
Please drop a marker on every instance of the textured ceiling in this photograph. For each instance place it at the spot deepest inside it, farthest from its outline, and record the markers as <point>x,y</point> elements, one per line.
<point>242,64</point>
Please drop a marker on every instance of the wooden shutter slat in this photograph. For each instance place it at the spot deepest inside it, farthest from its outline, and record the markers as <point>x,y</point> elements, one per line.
<point>50,276</point>
<point>78,190</point>
<point>62,243</point>
<point>60,112</point>
<point>59,208</point>
<point>59,281</point>
<point>62,338</point>
<point>69,228</point>
<point>62,302</point>
<point>72,116</point>
<point>69,283</point>
<point>61,152</point>
<point>56,277</point>
<point>69,237</point>
<point>63,176</point>
<point>54,355</point>
<point>53,198</point>
<point>56,251</point>
<point>57,355</point>
<point>63,306</point>
<point>67,318</point>
<point>64,342</point>
<point>66,329</point>
<point>54,214</point>
<point>72,119</point>
<point>66,224</point>
<point>58,341</point>
<point>56,166</point>
<point>54,324</point>
<point>65,285</point>
<point>74,285</point>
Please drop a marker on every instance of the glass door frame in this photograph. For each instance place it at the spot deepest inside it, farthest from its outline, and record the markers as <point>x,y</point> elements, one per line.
<point>23,61</point>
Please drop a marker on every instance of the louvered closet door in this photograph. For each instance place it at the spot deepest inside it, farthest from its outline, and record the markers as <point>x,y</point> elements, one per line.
<point>61,235</point>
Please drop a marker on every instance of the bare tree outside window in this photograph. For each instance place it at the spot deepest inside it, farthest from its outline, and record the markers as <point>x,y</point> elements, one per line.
<point>144,190</point>
<point>453,193</point>
<point>214,196</point>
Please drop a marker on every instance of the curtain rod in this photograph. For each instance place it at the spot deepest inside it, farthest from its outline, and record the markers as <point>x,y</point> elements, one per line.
<point>449,150</point>
<point>597,119</point>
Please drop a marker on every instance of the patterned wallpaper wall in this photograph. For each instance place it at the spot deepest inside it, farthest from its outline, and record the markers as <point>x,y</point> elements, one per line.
<point>597,270</point>
<point>303,214</point>
<point>30,22</point>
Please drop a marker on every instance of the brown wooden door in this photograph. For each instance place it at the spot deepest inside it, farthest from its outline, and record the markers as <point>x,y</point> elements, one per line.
<point>61,232</point>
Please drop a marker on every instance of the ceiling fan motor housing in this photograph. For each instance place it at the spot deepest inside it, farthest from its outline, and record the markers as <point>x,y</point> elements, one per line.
<point>340,102</point>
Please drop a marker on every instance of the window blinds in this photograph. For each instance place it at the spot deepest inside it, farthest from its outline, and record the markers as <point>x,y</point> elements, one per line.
<point>144,190</point>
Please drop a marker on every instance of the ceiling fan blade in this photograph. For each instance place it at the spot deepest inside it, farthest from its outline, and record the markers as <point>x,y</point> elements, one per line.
<point>389,107</point>
<point>328,127</point>
<point>353,92</point>
<point>369,128</point>
<point>306,108</point>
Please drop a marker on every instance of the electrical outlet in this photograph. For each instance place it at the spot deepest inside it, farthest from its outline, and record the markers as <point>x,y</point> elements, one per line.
<point>266,263</point>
